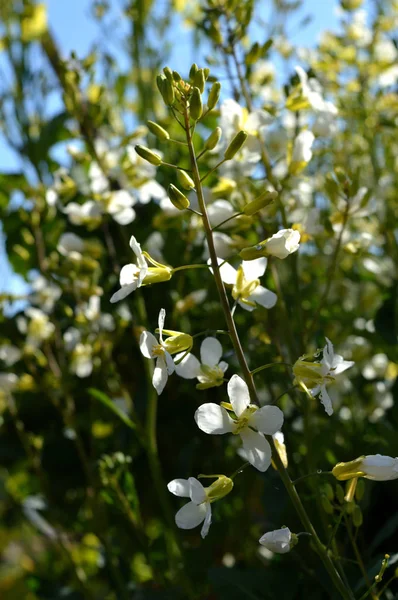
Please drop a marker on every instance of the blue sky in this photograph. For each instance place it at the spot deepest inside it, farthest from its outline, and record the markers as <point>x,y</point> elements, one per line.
<point>75,29</point>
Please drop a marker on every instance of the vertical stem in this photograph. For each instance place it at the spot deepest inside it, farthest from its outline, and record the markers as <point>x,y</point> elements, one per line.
<point>330,567</point>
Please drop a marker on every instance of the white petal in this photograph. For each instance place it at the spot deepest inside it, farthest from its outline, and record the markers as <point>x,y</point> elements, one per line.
<point>136,248</point>
<point>247,306</point>
<point>325,400</point>
<point>238,393</point>
<point>263,297</point>
<point>227,272</point>
<point>161,318</point>
<point>189,367</point>
<point>147,343</point>
<point>160,375</point>
<point>258,450</point>
<point>207,522</point>
<point>125,216</point>
<point>268,419</point>
<point>169,363</point>
<point>123,292</point>
<point>191,515</point>
<point>223,366</point>
<point>196,491</point>
<point>128,275</point>
<point>212,418</point>
<point>210,351</point>
<point>328,354</point>
<point>179,487</point>
<point>253,269</point>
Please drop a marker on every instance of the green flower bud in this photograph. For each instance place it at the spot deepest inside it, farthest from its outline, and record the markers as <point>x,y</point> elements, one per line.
<point>185,180</point>
<point>214,95</point>
<point>195,104</point>
<point>359,492</point>
<point>328,491</point>
<point>199,80</point>
<point>206,72</point>
<point>169,74</point>
<point>177,198</point>
<point>193,70</point>
<point>176,76</point>
<point>339,493</point>
<point>157,130</point>
<point>261,202</point>
<point>169,95</point>
<point>350,4</point>
<point>235,145</point>
<point>357,517</point>
<point>213,139</point>
<point>148,155</point>
<point>349,507</point>
<point>326,505</point>
<point>254,54</point>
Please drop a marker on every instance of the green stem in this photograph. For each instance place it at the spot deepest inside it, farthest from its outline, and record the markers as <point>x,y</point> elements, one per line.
<point>184,267</point>
<point>226,220</point>
<point>330,567</point>
<point>311,475</point>
<point>268,366</point>
<point>201,180</point>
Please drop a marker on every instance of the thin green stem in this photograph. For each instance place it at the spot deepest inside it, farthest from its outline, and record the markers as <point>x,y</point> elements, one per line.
<point>184,267</point>
<point>359,558</point>
<point>303,477</point>
<point>211,170</point>
<point>227,220</point>
<point>268,366</point>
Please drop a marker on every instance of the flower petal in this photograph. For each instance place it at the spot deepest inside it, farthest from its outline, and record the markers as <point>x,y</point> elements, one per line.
<point>210,351</point>
<point>325,400</point>
<point>223,365</point>
<point>160,375</point>
<point>253,269</point>
<point>147,343</point>
<point>238,393</point>
<point>169,363</point>
<point>179,487</point>
<point>257,449</point>
<point>123,292</point>
<point>268,419</point>
<point>264,297</point>
<point>212,418</point>
<point>189,367</point>
<point>196,491</point>
<point>207,522</point>
<point>227,271</point>
<point>161,319</point>
<point>191,515</point>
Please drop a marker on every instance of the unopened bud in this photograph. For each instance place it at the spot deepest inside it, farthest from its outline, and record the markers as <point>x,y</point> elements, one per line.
<point>213,139</point>
<point>326,504</point>
<point>169,74</point>
<point>169,95</point>
<point>261,202</point>
<point>199,80</point>
<point>254,54</point>
<point>177,198</point>
<point>148,155</point>
<point>176,76</point>
<point>357,517</point>
<point>157,130</point>
<point>185,180</point>
<point>195,104</point>
<point>206,72</point>
<point>359,492</point>
<point>235,145</point>
<point>193,70</point>
<point>214,95</point>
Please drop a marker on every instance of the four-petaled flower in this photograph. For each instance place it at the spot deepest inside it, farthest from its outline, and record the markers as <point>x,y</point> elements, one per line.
<point>152,348</point>
<point>315,376</point>
<point>198,510</point>
<point>210,372</point>
<point>247,420</point>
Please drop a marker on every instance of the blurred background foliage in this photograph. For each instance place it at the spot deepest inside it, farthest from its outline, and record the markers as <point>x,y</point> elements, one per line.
<point>85,451</point>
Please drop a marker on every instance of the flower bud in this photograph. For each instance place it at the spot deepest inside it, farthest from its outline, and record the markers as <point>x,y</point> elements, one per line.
<point>169,74</point>
<point>160,82</point>
<point>278,541</point>
<point>326,505</point>
<point>195,104</point>
<point>177,198</point>
<point>235,145</point>
<point>199,80</point>
<point>357,517</point>
<point>176,76</point>
<point>157,130</point>
<point>214,95</point>
<point>213,139</point>
<point>148,155</point>
<point>359,492</point>
<point>169,95</point>
<point>350,4</point>
<point>219,488</point>
<point>185,180</point>
<point>261,202</point>
<point>193,70</point>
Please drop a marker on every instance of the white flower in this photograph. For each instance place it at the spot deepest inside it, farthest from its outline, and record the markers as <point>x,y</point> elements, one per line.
<point>150,190</point>
<point>45,293</point>
<point>302,147</point>
<point>82,364</point>
<point>88,213</point>
<point>197,510</point>
<point>210,372</point>
<point>277,541</point>
<point>8,382</point>
<point>39,327</point>
<point>151,348</point>
<point>220,211</point>
<point>132,275</point>
<point>72,337</point>
<point>317,375</point>
<point>248,421</point>
<point>9,354</point>
<point>282,243</point>
<point>246,283</point>
<point>71,245</point>
<point>385,51</point>
<point>119,205</point>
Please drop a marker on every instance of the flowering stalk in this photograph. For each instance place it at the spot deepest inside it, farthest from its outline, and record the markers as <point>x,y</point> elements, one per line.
<point>247,375</point>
